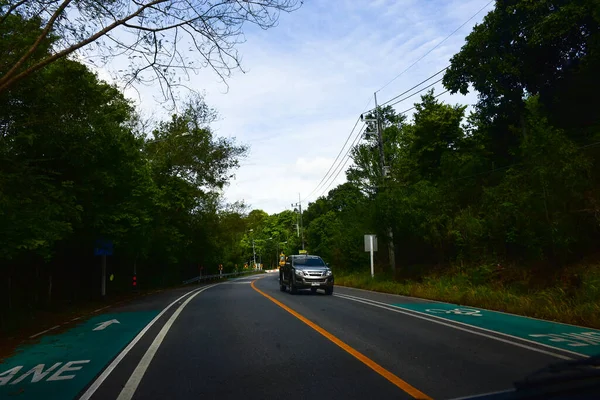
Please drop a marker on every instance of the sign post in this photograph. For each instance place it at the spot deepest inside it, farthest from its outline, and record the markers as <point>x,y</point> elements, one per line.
<point>372,263</point>
<point>371,246</point>
<point>103,248</point>
<point>103,290</point>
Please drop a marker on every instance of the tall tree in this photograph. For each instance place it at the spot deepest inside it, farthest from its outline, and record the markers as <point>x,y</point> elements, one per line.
<point>525,48</point>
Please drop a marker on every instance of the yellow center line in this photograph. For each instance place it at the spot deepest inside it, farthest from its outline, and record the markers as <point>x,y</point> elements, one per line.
<point>411,390</point>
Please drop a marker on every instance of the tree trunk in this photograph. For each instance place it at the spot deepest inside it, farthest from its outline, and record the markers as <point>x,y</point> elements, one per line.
<point>9,293</point>
<point>49,289</point>
<point>392,253</point>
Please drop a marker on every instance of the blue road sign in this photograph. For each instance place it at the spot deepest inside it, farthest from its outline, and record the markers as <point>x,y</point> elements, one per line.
<point>103,247</point>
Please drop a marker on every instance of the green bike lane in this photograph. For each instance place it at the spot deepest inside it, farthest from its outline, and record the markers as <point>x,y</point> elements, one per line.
<point>59,366</point>
<point>581,340</point>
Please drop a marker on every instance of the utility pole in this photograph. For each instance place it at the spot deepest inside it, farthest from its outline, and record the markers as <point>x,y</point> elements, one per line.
<point>384,173</point>
<point>301,227</point>
<point>254,252</point>
<point>253,248</point>
<point>299,220</point>
<point>379,139</point>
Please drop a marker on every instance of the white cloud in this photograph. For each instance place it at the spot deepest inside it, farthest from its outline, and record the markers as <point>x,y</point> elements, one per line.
<point>308,79</point>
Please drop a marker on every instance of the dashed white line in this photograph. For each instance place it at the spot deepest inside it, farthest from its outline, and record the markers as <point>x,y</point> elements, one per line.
<point>42,332</point>
<point>137,375</point>
<point>96,384</point>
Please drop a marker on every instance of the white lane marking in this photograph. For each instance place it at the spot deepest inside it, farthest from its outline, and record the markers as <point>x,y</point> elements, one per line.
<point>424,300</point>
<point>431,318</point>
<point>486,394</point>
<point>408,311</point>
<point>37,372</point>
<point>137,375</point>
<point>457,311</point>
<point>574,339</point>
<point>68,367</point>
<point>94,386</point>
<point>42,332</point>
<point>251,277</point>
<point>102,325</point>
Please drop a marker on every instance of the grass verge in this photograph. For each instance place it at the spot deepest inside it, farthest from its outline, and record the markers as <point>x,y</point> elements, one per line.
<point>574,302</point>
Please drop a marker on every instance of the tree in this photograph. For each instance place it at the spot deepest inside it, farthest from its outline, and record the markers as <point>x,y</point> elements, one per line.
<point>435,133</point>
<point>74,168</point>
<point>365,171</point>
<point>526,48</point>
<point>336,225</point>
<point>184,147</point>
<point>66,132</point>
<point>162,39</point>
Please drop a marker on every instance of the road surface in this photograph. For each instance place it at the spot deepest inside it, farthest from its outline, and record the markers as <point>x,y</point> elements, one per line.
<point>246,339</point>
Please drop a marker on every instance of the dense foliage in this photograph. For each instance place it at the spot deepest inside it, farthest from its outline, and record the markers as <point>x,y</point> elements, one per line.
<point>78,165</point>
<point>514,182</point>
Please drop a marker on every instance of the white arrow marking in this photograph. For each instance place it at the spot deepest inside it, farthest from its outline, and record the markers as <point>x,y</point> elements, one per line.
<point>104,324</point>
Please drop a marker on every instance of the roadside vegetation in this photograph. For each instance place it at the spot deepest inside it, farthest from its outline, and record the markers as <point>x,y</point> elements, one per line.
<point>495,289</point>
<point>513,182</point>
<point>79,163</point>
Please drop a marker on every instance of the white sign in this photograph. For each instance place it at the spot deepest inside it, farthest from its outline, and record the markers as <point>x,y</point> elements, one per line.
<point>102,325</point>
<point>368,242</point>
<point>37,373</point>
<point>371,247</point>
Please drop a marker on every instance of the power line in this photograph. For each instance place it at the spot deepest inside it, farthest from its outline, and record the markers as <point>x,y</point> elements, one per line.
<point>338,156</point>
<point>334,161</point>
<point>415,93</point>
<point>343,162</point>
<point>412,108</point>
<point>436,46</point>
<point>345,159</point>
<point>416,86</point>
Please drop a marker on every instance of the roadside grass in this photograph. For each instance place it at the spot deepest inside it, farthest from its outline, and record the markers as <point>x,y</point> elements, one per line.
<point>568,300</point>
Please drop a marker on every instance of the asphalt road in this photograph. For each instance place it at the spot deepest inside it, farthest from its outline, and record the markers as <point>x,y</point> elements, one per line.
<point>246,339</point>
<point>231,341</point>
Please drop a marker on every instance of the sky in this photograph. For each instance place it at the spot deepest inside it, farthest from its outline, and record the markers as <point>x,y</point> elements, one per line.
<point>307,80</point>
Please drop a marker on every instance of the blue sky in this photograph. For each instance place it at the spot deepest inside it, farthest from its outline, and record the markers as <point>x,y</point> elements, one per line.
<point>308,79</point>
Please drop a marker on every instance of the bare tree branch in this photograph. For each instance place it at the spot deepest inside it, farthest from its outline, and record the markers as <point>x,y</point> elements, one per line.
<point>8,79</point>
<point>11,9</point>
<point>153,34</point>
<point>35,45</point>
